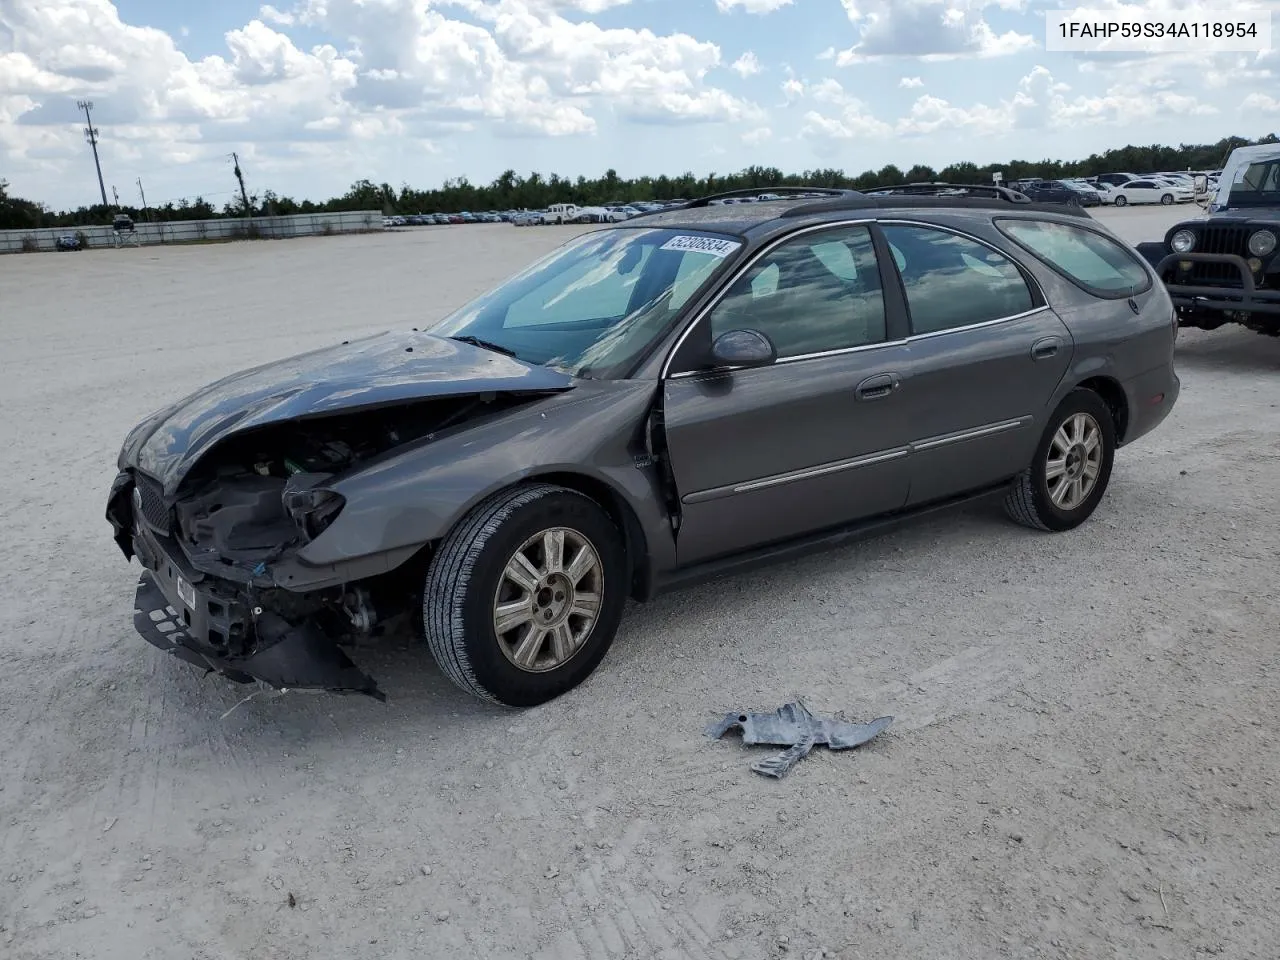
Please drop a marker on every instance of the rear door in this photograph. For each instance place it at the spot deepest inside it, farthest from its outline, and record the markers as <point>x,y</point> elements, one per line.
<point>986,355</point>
<point>817,438</point>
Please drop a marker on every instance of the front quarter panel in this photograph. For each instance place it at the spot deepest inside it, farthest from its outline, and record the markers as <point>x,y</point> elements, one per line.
<point>409,499</point>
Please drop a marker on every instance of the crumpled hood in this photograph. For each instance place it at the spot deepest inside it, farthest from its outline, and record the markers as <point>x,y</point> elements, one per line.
<point>383,369</point>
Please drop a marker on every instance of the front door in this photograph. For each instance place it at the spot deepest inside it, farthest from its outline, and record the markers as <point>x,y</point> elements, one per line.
<point>813,440</point>
<point>985,357</point>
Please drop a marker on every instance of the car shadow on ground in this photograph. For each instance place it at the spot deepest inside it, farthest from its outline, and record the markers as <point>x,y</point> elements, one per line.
<point>421,701</point>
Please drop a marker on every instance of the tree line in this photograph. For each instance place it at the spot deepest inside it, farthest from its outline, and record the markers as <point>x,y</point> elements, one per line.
<point>513,191</point>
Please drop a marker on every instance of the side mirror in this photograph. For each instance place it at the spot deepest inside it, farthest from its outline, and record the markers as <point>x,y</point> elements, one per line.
<point>743,348</point>
<point>1201,183</point>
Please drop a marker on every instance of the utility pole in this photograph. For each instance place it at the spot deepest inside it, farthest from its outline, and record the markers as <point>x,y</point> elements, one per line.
<point>141,193</point>
<point>91,135</point>
<point>248,210</point>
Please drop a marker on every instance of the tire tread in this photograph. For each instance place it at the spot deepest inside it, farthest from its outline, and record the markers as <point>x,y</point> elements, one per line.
<point>1020,503</point>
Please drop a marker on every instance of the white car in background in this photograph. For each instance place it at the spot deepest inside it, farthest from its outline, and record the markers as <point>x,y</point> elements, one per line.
<point>1106,191</point>
<point>1152,190</point>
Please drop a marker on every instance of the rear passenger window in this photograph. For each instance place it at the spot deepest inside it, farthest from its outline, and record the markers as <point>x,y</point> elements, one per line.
<point>1097,263</point>
<point>952,281</point>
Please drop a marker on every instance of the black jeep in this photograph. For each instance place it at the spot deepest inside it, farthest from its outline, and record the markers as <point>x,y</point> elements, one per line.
<point>1225,267</point>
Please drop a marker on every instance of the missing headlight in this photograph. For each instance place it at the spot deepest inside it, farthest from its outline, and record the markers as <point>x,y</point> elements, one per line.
<point>312,508</point>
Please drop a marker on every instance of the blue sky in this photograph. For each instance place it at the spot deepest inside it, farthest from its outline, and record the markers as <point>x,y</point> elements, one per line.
<point>314,94</point>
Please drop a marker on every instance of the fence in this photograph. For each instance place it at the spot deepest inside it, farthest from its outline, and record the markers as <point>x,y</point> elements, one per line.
<point>186,231</point>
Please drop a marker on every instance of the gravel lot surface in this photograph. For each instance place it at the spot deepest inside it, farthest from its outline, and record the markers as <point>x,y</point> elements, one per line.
<point>1083,764</point>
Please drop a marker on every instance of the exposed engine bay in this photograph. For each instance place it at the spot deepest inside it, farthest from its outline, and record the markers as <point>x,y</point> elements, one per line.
<point>207,594</point>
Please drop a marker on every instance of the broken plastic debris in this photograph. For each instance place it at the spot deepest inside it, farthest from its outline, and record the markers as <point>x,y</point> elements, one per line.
<point>794,727</point>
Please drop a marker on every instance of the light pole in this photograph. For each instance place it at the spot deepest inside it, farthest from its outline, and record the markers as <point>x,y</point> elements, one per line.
<point>91,135</point>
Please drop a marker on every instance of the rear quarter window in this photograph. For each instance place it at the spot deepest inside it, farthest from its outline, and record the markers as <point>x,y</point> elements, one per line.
<point>1088,259</point>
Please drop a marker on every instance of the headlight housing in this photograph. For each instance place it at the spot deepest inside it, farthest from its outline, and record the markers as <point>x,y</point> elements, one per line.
<point>1262,243</point>
<point>312,509</point>
<point>1183,241</point>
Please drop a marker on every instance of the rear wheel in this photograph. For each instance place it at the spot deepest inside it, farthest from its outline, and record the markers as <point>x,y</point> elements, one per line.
<point>524,595</point>
<point>1071,468</point>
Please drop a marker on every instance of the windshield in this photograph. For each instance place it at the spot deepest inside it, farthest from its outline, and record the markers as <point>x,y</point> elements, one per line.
<point>596,303</point>
<point>1257,185</point>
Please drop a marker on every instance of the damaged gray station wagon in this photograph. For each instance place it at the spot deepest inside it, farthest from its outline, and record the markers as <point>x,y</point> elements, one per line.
<point>657,401</point>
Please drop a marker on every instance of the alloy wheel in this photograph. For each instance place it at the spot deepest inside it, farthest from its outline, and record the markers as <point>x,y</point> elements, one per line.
<point>1074,461</point>
<point>548,599</point>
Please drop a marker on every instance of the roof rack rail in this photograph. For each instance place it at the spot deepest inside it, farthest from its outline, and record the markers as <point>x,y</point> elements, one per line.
<point>785,193</point>
<point>950,189</point>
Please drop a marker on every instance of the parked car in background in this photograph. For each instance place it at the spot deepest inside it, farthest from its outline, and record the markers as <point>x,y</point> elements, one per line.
<point>1116,179</point>
<point>1225,268</point>
<point>67,241</point>
<point>559,213</point>
<point>1087,195</point>
<point>654,402</point>
<point>1106,192</point>
<point>1152,191</point>
<point>1048,191</point>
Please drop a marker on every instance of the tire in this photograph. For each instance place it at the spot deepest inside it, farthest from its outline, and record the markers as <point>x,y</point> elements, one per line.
<point>468,578</point>
<point>1122,201</point>
<point>1167,199</point>
<point>1036,499</point>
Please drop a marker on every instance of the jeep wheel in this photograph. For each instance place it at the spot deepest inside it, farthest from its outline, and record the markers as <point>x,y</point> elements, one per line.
<point>1166,199</point>
<point>524,596</point>
<point>1071,467</point>
<point>1121,200</point>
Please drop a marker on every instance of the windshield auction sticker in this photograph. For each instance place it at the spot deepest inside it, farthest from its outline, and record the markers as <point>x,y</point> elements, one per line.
<point>1130,29</point>
<point>712,245</point>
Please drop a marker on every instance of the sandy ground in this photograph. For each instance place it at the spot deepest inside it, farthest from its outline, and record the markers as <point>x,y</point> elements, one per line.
<point>1083,764</point>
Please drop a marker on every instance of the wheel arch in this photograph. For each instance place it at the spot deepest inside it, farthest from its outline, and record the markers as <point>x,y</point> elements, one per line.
<point>614,503</point>
<point>1113,395</point>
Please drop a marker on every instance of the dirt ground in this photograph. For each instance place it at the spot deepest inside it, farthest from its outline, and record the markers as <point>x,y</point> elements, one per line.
<point>1083,762</point>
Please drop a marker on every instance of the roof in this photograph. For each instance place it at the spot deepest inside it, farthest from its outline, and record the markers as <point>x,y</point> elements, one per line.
<point>739,218</point>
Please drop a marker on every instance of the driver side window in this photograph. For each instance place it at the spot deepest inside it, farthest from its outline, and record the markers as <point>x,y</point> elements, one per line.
<point>817,292</point>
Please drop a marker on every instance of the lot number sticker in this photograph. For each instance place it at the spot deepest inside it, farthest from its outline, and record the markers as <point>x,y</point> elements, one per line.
<point>712,245</point>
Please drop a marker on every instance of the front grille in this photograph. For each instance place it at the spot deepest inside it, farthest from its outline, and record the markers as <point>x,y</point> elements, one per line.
<point>1220,239</point>
<point>151,498</point>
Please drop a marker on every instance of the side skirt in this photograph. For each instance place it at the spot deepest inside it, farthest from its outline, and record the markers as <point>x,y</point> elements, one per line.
<point>815,542</point>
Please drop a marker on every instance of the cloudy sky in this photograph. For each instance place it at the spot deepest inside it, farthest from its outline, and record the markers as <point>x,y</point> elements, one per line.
<point>314,94</point>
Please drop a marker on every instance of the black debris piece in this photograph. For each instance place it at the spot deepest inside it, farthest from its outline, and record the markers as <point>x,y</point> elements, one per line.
<point>794,727</point>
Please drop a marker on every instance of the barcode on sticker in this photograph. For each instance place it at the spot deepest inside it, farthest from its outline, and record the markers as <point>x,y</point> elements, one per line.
<point>712,245</point>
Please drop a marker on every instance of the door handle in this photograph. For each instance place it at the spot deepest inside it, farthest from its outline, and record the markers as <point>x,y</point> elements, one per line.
<point>1045,348</point>
<point>881,385</point>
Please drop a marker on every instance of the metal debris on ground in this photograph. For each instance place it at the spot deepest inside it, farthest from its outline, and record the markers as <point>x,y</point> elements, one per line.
<point>794,727</point>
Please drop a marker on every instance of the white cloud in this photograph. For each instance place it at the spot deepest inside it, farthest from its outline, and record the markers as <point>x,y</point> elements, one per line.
<point>311,92</point>
<point>928,30</point>
<point>408,70</point>
<point>746,65</point>
<point>1038,101</point>
<point>1260,103</point>
<point>752,6</point>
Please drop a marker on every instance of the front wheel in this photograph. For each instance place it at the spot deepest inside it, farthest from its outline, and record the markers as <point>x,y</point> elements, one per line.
<point>1166,199</point>
<point>1121,201</point>
<point>524,595</point>
<point>1071,468</point>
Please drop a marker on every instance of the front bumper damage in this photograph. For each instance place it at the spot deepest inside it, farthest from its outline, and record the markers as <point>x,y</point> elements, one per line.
<point>225,627</point>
